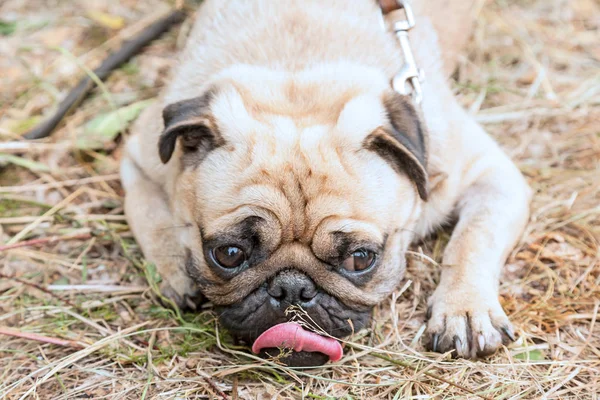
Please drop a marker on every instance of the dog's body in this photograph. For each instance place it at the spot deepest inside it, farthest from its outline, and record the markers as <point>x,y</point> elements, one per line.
<point>283,143</point>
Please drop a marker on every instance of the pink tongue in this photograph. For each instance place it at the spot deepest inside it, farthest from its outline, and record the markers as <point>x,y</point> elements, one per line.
<point>292,336</point>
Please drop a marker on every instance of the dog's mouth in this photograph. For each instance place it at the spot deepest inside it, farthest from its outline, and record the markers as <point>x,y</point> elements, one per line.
<point>308,348</point>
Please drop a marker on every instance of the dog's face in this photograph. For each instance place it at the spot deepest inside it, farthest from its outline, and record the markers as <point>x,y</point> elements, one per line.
<point>296,192</point>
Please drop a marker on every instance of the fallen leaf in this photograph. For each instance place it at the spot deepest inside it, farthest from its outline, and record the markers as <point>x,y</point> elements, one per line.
<point>20,126</point>
<point>7,28</point>
<point>108,20</point>
<point>103,129</point>
<point>23,162</point>
<point>532,355</point>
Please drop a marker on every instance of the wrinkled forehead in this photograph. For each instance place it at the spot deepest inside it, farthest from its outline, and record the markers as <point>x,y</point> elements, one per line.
<point>300,123</point>
<point>317,96</point>
<point>296,196</point>
<point>293,147</point>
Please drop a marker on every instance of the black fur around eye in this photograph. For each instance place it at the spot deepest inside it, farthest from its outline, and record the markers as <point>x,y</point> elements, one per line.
<point>359,261</point>
<point>228,257</point>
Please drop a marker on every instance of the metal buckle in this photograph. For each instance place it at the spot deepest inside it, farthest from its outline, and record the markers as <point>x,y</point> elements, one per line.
<point>408,80</point>
<point>409,22</point>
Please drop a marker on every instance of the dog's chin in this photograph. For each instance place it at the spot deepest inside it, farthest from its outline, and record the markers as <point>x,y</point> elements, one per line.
<point>248,319</point>
<point>295,359</point>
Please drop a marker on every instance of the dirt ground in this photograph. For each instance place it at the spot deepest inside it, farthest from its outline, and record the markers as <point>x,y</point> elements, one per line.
<point>71,271</point>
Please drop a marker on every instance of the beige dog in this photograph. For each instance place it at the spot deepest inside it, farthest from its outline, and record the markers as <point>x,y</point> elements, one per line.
<point>279,167</point>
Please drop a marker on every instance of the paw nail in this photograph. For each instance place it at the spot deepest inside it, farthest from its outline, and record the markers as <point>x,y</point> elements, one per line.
<point>190,303</point>
<point>457,343</point>
<point>436,338</point>
<point>481,342</point>
<point>508,332</point>
<point>428,315</point>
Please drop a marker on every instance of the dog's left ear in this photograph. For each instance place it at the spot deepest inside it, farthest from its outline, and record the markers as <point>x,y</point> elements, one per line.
<point>191,122</point>
<point>403,143</point>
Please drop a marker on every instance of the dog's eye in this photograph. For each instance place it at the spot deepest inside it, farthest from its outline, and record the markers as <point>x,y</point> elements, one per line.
<point>228,256</point>
<point>358,261</point>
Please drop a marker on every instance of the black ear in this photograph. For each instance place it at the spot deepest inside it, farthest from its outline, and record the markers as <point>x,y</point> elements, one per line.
<point>191,121</point>
<point>403,144</point>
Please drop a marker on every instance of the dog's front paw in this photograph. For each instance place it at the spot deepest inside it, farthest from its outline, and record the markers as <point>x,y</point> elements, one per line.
<point>182,291</point>
<point>470,322</point>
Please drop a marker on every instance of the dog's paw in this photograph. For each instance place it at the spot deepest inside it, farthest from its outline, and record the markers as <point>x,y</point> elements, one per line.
<point>183,293</point>
<point>471,323</point>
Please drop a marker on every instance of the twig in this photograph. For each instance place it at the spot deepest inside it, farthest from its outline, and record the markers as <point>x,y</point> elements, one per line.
<point>98,288</point>
<point>40,288</point>
<point>64,202</point>
<point>47,240</point>
<point>426,373</point>
<point>299,312</point>
<point>73,358</point>
<point>127,50</point>
<point>214,387</point>
<point>234,388</point>
<point>39,338</point>
<point>59,184</point>
<point>84,217</point>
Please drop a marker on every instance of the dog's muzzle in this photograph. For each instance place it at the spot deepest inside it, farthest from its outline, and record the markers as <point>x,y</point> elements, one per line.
<point>264,319</point>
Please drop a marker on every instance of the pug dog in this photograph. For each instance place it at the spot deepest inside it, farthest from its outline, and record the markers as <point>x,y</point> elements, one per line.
<point>280,168</point>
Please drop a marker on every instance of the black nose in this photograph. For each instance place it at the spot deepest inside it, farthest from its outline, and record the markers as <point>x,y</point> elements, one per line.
<point>292,287</point>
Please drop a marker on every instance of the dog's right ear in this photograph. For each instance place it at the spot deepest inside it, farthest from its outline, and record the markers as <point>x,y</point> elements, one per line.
<point>403,144</point>
<point>189,120</point>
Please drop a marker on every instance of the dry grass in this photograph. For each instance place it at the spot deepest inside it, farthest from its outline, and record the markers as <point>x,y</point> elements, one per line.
<point>532,77</point>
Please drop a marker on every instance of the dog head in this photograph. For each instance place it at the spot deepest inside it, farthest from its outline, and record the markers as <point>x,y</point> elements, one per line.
<point>298,190</point>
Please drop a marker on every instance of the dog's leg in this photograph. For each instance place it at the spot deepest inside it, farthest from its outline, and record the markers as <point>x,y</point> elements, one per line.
<point>156,232</point>
<point>492,200</point>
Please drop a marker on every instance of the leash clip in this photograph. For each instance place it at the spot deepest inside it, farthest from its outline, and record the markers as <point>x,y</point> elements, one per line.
<point>408,80</point>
